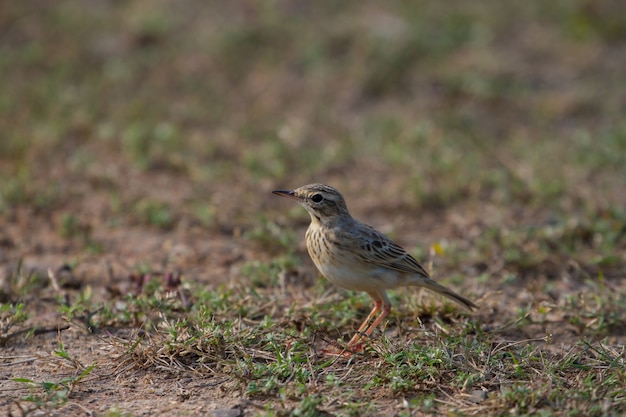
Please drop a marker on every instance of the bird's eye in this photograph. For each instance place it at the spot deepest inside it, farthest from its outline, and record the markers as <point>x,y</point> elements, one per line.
<point>317,198</point>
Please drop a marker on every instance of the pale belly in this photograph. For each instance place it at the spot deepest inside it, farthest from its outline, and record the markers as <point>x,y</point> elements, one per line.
<point>358,278</point>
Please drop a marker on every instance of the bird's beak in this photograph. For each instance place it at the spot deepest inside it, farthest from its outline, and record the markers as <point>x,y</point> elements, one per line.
<point>288,194</point>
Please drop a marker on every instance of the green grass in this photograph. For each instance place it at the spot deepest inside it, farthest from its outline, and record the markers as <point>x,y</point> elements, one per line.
<point>275,357</point>
<point>55,393</point>
<point>242,333</point>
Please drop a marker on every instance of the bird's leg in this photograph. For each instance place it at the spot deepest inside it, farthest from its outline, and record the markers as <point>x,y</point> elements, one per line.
<point>379,319</point>
<point>355,344</point>
<point>364,329</point>
<point>370,316</point>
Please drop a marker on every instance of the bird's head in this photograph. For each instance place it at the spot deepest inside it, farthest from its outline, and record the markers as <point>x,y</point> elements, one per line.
<point>324,203</point>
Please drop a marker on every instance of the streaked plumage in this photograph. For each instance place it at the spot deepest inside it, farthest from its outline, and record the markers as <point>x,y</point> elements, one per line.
<point>355,256</point>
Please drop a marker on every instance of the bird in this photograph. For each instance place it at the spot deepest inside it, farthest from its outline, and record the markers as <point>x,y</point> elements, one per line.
<point>355,256</point>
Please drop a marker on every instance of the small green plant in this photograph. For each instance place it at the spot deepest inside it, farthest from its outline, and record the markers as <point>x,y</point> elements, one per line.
<point>205,214</point>
<point>267,274</point>
<point>10,316</point>
<point>56,393</point>
<point>268,233</point>
<point>308,406</point>
<point>21,281</point>
<point>81,309</point>
<point>71,227</point>
<point>154,213</point>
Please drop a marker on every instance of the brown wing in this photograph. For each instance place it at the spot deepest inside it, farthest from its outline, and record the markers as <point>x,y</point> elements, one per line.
<point>378,249</point>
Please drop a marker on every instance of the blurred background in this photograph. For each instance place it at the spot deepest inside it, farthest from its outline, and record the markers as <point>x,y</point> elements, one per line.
<point>140,141</point>
<point>149,134</point>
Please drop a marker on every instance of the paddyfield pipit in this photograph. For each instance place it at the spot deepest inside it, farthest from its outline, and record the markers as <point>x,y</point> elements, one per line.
<point>354,256</point>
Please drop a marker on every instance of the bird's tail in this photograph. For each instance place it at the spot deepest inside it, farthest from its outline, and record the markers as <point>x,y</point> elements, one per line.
<point>440,289</point>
